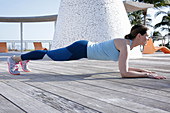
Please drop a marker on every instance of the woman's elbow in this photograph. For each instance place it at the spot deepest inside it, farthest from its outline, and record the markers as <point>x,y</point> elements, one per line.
<point>123,74</point>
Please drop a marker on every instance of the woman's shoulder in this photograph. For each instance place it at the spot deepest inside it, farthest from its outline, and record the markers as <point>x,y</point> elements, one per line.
<point>121,43</point>
<point>120,40</point>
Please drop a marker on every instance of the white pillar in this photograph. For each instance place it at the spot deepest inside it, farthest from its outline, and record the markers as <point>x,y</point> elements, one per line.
<point>93,20</point>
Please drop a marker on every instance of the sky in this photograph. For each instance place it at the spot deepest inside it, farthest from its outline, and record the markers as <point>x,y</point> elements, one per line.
<point>28,8</point>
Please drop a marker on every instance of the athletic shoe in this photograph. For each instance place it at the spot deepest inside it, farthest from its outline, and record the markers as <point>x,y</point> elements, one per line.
<point>13,66</point>
<point>24,65</point>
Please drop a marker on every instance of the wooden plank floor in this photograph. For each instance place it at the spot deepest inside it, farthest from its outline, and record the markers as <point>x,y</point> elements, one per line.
<point>85,86</point>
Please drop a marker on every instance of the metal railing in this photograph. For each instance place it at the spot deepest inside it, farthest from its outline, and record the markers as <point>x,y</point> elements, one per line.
<point>165,39</point>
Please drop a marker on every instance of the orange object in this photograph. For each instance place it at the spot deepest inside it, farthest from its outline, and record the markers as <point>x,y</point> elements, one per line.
<point>38,46</point>
<point>150,49</point>
<point>3,47</point>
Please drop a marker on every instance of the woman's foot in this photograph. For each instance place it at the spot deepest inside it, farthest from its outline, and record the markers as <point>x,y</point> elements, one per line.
<point>13,66</point>
<point>24,65</point>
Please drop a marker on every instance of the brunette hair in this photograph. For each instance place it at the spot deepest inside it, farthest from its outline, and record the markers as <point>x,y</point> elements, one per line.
<point>135,30</point>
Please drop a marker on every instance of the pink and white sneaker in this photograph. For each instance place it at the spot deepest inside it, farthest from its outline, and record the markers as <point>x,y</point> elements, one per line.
<point>24,65</point>
<point>13,66</point>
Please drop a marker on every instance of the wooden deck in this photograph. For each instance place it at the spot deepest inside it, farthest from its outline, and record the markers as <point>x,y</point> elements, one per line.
<point>85,86</point>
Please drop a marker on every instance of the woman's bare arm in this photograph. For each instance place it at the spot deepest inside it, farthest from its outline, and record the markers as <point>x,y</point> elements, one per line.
<point>140,70</point>
<point>125,71</point>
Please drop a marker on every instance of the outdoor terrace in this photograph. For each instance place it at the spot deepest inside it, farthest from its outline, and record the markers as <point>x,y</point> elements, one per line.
<point>85,86</point>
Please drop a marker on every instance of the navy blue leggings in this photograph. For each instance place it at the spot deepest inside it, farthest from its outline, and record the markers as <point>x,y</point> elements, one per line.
<point>75,51</point>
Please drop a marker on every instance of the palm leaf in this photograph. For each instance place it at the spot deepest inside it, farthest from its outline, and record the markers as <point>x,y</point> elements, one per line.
<point>160,24</point>
<point>160,12</point>
<point>164,29</point>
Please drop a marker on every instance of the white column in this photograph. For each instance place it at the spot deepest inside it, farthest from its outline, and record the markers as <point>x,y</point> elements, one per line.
<point>93,20</point>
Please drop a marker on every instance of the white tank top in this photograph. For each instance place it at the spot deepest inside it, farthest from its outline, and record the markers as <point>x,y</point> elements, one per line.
<point>103,51</point>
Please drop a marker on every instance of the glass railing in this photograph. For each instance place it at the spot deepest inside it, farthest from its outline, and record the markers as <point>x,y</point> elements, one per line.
<point>15,45</point>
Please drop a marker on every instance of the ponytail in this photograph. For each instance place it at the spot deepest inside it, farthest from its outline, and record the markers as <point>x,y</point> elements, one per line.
<point>129,36</point>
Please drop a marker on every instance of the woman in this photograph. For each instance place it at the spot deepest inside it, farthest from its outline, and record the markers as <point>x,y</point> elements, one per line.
<point>115,49</point>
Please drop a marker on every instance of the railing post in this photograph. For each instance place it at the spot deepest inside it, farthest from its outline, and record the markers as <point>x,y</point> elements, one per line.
<point>26,45</point>
<point>13,45</point>
<point>21,37</point>
<point>49,45</point>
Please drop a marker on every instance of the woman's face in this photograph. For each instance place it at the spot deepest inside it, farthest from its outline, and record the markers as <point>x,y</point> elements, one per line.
<point>144,39</point>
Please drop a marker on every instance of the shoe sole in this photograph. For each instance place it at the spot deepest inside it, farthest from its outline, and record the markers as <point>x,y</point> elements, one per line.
<point>23,68</point>
<point>9,69</point>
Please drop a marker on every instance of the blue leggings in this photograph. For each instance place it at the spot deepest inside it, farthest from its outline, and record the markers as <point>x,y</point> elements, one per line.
<point>75,51</point>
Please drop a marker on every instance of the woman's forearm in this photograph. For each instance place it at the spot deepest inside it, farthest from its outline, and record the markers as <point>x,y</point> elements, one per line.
<point>134,74</point>
<point>131,74</point>
<point>138,70</point>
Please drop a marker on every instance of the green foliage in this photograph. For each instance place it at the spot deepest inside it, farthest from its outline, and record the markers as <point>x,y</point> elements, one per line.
<point>156,35</point>
<point>137,17</point>
<point>165,23</point>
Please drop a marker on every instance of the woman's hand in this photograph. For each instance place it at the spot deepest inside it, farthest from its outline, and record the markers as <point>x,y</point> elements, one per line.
<point>155,76</point>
